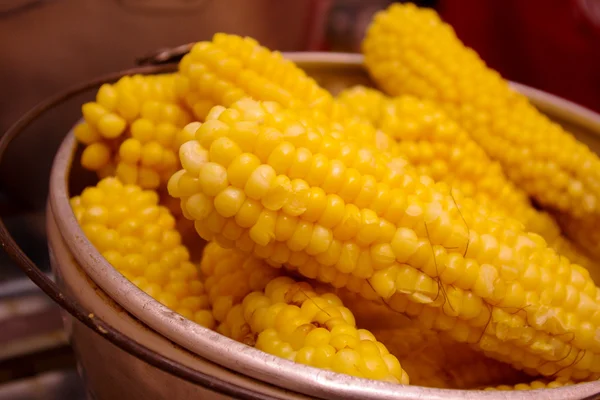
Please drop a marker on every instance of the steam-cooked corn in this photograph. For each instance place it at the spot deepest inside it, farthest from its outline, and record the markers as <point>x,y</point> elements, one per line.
<point>120,104</point>
<point>277,315</point>
<point>411,51</point>
<point>279,174</point>
<point>440,149</point>
<point>433,360</point>
<point>138,237</point>
<point>230,67</point>
<point>290,320</point>
<point>139,143</point>
<point>258,179</point>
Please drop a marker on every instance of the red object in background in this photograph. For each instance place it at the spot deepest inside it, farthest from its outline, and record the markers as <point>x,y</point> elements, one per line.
<point>552,45</point>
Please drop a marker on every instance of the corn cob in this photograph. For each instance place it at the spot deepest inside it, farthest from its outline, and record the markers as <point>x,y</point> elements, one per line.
<point>411,51</point>
<point>290,320</point>
<point>133,130</point>
<point>230,67</point>
<point>437,147</point>
<point>257,179</point>
<point>137,237</point>
<point>433,360</point>
<point>537,384</point>
<point>230,276</point>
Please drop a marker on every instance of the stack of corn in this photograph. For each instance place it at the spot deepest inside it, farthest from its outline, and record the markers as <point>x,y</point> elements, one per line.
<point>411,51</point>
<point>262,180</point>
<point>356,195</point>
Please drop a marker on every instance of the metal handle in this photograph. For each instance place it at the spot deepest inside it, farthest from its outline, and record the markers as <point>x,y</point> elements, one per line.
<point>165,55</point>
<point>16,253</point>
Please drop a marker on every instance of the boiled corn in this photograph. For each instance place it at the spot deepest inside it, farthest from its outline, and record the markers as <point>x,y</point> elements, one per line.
<point>411,51</point>
<point>138,237</point>
<point>257,179</point>
<point>140,141</point>
<point>230,67</point>
<point>290,320</point>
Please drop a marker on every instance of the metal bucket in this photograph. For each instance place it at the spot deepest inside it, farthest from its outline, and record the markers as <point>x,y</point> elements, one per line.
<point>129,346</point>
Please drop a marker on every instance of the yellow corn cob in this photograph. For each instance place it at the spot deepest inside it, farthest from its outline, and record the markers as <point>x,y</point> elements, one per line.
<point>537,384</point>
<point>290,320</point>
<point>230,67</point>
<point>433,360</point>
<point>257,179</point>
<point>120,104</point>
<point>230,275</point>
<point>437,147</point>
<point>411,51</point>
<point>139,143</point>
<point>137,237</point>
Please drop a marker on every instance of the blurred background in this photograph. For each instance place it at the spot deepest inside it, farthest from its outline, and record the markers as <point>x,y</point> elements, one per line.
<point>48,45</point>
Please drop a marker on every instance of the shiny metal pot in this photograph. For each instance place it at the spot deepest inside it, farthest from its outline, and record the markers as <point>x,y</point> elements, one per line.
<point>129,346</point>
